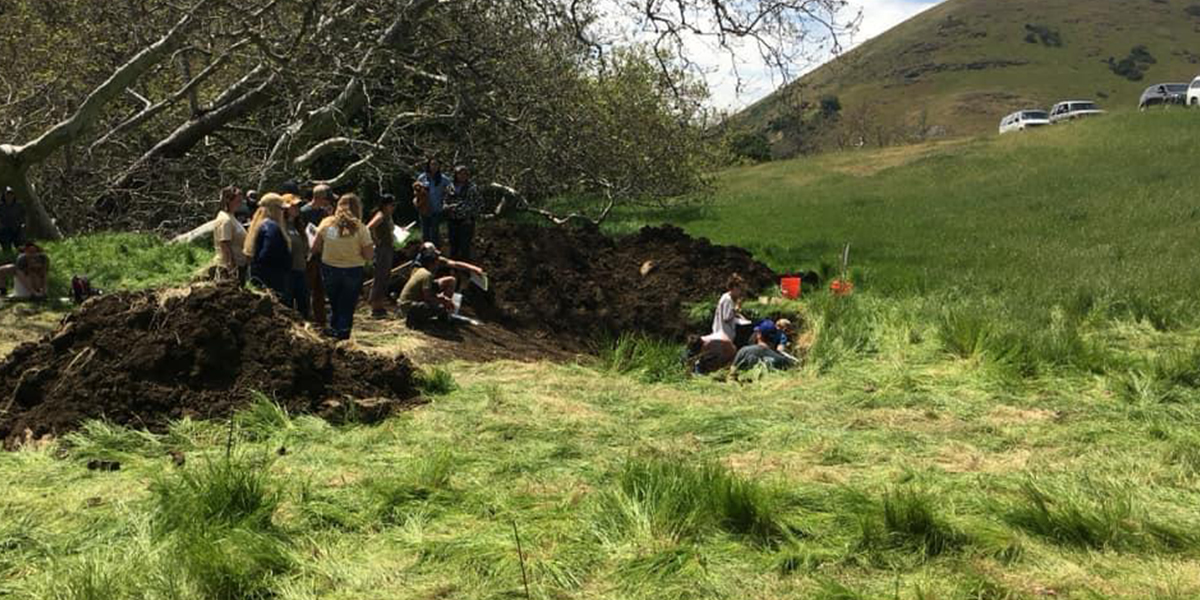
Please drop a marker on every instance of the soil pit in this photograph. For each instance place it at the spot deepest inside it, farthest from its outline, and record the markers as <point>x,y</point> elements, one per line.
<point>579,284</point>
<point>147,358</point>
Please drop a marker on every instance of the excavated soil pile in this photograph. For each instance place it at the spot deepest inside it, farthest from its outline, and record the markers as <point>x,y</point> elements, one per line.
<point>580,282</point>
<point>146,358</point>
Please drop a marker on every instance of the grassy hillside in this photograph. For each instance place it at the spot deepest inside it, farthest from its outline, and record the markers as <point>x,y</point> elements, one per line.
<point>957,68</point>
<point>1100,208</point>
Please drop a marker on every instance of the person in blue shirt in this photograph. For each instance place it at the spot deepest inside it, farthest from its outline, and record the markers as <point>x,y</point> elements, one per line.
<point>269,247</point>
<point>437,185</point>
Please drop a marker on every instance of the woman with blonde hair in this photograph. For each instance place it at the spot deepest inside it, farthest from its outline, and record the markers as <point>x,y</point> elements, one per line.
<point>229,237</point>
<point>269,247</point>
<point>345,246</point>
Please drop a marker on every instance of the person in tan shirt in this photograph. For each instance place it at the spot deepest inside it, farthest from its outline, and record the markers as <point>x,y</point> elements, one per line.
<point>344,244</point>
<point>229,237</point>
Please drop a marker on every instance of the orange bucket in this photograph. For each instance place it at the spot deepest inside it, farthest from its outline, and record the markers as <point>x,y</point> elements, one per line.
<point>790,287</point>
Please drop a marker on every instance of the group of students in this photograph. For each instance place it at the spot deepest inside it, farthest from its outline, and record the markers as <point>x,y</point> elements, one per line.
<point>769,343</point>
<point>316,252</point>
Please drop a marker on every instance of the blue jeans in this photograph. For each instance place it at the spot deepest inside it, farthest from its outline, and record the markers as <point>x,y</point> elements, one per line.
<point>431,229</point>
<point>342,287</point>
<point>275,280</point>
<point>298,295</point>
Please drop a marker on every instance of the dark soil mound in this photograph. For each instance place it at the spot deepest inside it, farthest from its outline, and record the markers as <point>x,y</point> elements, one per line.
<point>581,282</point>
<point>146,358</point>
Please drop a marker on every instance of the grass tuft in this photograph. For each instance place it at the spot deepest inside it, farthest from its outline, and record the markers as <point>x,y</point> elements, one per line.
<point>648,359</point>
<point>436,381</point>
<point>101,440</point>
<point>907,519</point>
<point>673,499</point>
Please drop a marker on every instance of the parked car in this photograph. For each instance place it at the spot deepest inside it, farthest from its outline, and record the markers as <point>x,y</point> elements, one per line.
<point>1024,119</point>
<point>1193,96</point>
<point>1164,94</point>
<point>1073,109</point>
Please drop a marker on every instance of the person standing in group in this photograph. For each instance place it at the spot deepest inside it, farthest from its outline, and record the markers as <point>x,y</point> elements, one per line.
<point>298,284</point>
<point>269,248</point>
<point>314,213</point>
<point>229,238</point>
<point>12,221</point>
<point>344,245</point>
<point>381,227</point>
<point>463,207</point>
<point>436,185</point>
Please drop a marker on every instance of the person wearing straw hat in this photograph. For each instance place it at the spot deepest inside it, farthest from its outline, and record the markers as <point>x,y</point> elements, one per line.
<point>269,248</point>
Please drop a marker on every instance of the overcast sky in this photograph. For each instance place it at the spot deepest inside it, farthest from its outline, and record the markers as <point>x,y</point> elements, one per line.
<point>878,17</point>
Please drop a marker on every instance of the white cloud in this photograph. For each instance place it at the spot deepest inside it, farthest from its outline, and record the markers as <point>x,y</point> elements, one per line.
<point>758,81</point>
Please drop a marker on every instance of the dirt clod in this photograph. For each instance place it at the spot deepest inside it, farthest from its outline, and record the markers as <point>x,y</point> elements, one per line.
<point>147,358</point>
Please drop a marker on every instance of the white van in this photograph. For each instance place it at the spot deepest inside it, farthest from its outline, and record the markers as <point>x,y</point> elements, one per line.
<point>1024,119</point>
<point>1193,95</point>
<point>1074,109</point>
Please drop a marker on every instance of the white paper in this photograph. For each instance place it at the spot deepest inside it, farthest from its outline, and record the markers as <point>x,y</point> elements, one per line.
<point>401,234</point>
<point>480,281</point>
<point>457,303</point>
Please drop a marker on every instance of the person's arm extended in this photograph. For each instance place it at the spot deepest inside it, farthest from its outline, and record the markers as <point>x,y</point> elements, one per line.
<point>375,221</point>
<point>462,266</point>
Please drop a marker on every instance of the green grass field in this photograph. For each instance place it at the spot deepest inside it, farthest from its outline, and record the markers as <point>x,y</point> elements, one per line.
<point>1006,409</point>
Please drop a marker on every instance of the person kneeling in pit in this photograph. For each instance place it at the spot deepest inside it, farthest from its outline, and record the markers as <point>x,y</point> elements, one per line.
<point>762,351</point>
<point>426,298</point>
<point>30,273</point>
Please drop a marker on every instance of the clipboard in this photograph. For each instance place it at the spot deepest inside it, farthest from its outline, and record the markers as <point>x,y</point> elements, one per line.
<point>400,234</point>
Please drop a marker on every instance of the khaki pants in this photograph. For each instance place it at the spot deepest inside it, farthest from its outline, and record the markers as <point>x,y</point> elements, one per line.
<point>316,289</point>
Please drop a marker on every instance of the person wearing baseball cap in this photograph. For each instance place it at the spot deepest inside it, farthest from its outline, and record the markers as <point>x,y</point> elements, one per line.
<point>12,221</point>
<point>427,298</point>
<point>762,351</point>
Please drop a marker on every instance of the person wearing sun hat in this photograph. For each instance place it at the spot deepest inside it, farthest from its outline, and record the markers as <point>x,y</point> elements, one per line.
<point>762,351</point>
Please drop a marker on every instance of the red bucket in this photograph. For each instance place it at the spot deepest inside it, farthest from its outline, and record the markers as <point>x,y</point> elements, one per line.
<point>790,286</point>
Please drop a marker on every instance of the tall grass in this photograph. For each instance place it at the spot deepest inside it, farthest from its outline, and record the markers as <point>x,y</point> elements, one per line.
<point>1096,517</point>
<point>678,500</point>
<point>217,519</point>
<point>648,359</point>
<point>908,519</point>
<point>845,327</point>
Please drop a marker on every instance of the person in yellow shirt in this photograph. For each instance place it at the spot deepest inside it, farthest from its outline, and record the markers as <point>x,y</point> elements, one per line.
<point>344,244</point>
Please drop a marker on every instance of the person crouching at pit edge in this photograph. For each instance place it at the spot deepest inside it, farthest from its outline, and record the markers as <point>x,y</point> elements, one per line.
<point>30,273</point>
<point>297,297</point>
<point>716,350</point>
<point>762,351</point>
<point>345,246</point>
<point>269,247</point>
<point>425,298</point>
<point>381,227</point>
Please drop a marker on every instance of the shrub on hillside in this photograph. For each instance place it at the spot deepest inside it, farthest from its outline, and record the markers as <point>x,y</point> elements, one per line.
<point>1133,67</point>
<point>1044,35</point>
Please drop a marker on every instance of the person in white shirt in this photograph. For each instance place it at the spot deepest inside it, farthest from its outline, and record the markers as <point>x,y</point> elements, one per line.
<point>729,307</point>
<point>229,236</point>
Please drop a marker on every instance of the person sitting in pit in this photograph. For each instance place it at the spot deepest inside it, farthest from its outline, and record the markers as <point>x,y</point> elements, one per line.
<point>427,298</point>
<point>762,351</point>
<point>12,221</point>
<point>30,274</point>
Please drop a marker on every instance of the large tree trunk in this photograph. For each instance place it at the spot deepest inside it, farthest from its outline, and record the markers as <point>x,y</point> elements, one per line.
<point>16,175</point>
